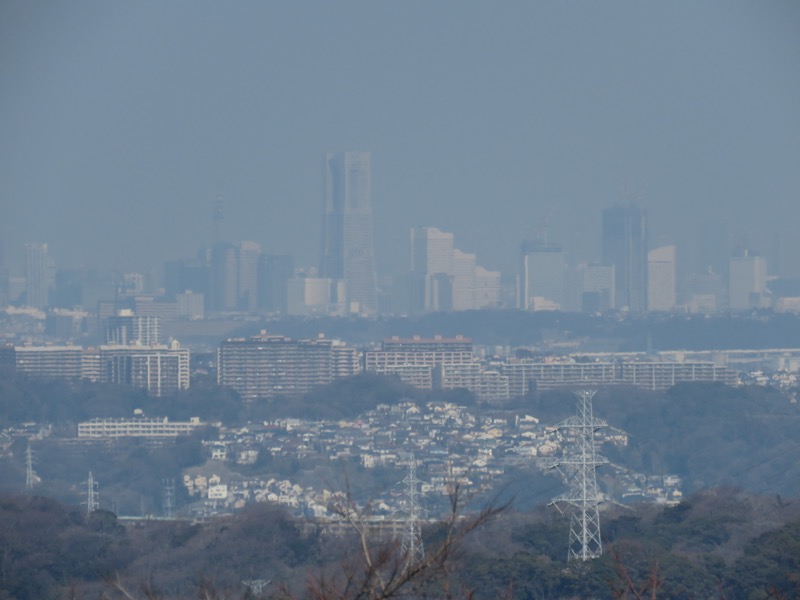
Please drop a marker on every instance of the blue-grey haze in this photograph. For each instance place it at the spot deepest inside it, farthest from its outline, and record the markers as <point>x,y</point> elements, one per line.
<point>121,122</point>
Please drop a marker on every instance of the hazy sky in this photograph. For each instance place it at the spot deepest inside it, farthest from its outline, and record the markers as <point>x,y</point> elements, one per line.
<point>121,122</point>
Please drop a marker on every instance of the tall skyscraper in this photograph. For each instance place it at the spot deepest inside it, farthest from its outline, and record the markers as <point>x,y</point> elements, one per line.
<point>625,247</point>
<point>542,275</point>
<point>661,279</point>
<point>432,267</point>
<point>37,274</point>
<point>464,280</point>
<point>347,245</point>
<point>224,277</point>
<point>249,254</point>
<point>747,282</point>
<point>274,273</point>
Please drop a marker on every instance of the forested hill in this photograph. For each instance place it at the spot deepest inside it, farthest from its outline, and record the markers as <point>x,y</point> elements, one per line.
<point>717,544</point>
<point>708,434</point>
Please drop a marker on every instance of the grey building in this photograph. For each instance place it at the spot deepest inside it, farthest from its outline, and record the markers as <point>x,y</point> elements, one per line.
<point>347,245</point>
<point>625,247</point>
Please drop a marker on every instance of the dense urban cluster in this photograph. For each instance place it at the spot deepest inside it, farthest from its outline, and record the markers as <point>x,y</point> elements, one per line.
<point>718,273</point>
<point>448,444</point>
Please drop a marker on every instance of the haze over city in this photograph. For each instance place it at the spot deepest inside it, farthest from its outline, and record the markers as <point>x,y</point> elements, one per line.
<point>122,123</point>
<point>363,300</point>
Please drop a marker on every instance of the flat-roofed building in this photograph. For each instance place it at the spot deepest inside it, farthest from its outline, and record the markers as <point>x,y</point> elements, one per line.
<point>662,375</point>
<point>266,366</point>
<point>437,343</point>
<point>60,362</point>
<point>161,370</point>
<point>527,374</point>
<point>127,328</point>
<point>147,427</point>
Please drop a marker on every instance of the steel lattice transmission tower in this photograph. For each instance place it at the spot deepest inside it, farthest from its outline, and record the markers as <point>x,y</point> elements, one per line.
<point>412,548</point>
<point>30,475</point>
<point>256,586</point>
<point>168,486</point>
<point>578,467</point>
<point>92,495</point>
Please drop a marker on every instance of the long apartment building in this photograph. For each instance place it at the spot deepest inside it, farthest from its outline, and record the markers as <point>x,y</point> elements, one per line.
<point>526,374</point>
<point>448,363</point>
<point>58,362</point>
<point>266,366</point>
<point>147,427</point>
<point>437,362</point>
<point>159,369</point>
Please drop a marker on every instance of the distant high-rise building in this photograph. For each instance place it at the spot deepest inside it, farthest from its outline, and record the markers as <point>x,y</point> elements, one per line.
<point>347,244</point>
<point>487,288</point>
<point>747,282</point>
<point>464,282</point>
<point>661,290</point>
<point>249,254</point>
<point>596,283</point>
<point>224,277</point>
<point>542,274</point>
<point>625,247</point>
<point>191,304</point>
<point>187,275</point>
<point>432,267</point>
<point>126,328</point>
<point>37,275</point>
<point>274,273</point>
<point>315,295</point>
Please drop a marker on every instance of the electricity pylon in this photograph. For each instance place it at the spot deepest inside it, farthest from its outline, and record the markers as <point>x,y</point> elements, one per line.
<point>92,495</point>
<point>168,486</point>
<point>578,467</point>
<point>412,548</point>
<point>257,586</point>
<point>30,474</point>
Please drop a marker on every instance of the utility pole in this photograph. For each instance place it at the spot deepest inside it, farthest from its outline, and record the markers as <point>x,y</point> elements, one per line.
<point>578,467</point>
<point>412,548</point>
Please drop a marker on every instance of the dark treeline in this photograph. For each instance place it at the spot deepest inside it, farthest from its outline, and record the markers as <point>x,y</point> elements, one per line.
<point>717,544</point>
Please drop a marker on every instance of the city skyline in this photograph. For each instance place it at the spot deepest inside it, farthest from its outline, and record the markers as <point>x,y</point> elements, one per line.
<point>484,121</point>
